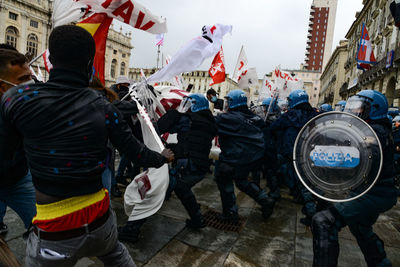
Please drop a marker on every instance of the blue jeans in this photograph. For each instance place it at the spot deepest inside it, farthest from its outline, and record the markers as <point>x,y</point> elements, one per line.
<point>21,198</point>
<point>106,179</point>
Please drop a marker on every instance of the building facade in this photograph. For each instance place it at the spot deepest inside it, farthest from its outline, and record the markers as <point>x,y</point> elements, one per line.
<point>320,34</point>
<point>26,25</point>
<point>385,39</point>
<point>117,56</point>
<point>334,75</point>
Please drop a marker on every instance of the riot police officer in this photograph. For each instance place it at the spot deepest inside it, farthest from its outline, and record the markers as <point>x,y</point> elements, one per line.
<point>288,126</point>
<point>360,214</point>
<point>242,150</point>
<point>196,127</point>
<point>271,113</point>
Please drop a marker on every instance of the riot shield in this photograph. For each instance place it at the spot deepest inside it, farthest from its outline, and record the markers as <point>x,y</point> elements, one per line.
<point>337,156</point>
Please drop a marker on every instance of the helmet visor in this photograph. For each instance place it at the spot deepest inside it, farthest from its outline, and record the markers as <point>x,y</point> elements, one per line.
<point>338,107</point>
<point>226,104</point>
<point>358,106</point>
<point>185,105</point>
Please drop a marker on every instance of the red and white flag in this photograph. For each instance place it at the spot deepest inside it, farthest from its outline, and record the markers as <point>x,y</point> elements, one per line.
<point>192,55</point>
<point>286,83</point>
<point>128,11</point>
<point>159,39</point>
<point>241,65</point>
<point>39,75</point>
<point>365,55</point>
<point>267,89</point>
<point>47,64</point>
<point>248,78</point>
<point>217,70</point>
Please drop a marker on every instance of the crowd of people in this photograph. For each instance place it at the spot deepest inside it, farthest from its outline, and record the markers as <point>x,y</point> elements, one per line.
<point>58,142</point>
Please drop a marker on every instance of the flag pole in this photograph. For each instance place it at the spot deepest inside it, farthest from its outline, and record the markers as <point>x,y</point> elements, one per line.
<point>158,55</point>
<point>36,58</point>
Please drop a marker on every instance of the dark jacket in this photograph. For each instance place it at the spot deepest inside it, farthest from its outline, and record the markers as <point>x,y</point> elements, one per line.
<point>384,187</point>
<point>289,125</point>
<point>383,129</point>
<point>240,137</point>
<point>65,127</point>
<point>219,104</point>
<point>195,132</point>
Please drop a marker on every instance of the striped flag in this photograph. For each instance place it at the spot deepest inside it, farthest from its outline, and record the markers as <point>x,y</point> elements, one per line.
<point>365,55</point>
<point>47,64</point>
<point>159,39</point>
<point>97,25</point>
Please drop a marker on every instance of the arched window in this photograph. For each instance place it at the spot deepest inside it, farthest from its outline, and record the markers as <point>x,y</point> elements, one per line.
<point>32,44</point>
<point>122,71</point>
<point>113,68</point>
<point>11,36</point>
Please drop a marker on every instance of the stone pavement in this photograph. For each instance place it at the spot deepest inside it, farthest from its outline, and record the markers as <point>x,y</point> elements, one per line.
<point>279,241</point>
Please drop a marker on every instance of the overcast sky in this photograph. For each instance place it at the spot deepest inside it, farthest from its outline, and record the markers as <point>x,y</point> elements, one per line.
<point>273,32</point>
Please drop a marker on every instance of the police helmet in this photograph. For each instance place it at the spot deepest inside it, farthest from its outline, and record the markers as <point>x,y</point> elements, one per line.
<point>297,97</point>
<point>235,98</point>
<point>340,105</point>
<point>326,108</point>
<point>267,103</point>
<point>199,102</point>
<point>194,102</point>
<point>368,104</point>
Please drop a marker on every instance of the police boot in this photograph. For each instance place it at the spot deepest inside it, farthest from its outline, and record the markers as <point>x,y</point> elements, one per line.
<point>196,218</point>
<point>196,222</point>
<point>130,232</point>
<point>267,207</point>
<point>229,218</point>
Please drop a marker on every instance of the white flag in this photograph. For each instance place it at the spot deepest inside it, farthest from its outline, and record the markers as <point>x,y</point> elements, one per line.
<point>267,89</point>
<point>192,55</point>
<point>128,11</point>
<point>39,75</point>
<point>144,196</point>
<point>241,65</point>
<point>248,78</point>
<point>33,73</point>
<point>286,83</point>
<point>177,80</point>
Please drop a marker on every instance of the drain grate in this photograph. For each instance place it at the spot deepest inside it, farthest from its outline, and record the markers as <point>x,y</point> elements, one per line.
<point>213,220</point>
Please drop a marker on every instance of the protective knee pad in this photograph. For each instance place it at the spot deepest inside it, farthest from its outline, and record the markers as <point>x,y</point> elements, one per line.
<point>325,238</point>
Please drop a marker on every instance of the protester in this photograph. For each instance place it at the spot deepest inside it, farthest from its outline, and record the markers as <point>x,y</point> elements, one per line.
<point>213,98</point>
<point>242,150</point>
<point>16,187</point>
<point>360,214</point>
<point>288,126</point>
<point>121,87</point>
<point>65,134</point>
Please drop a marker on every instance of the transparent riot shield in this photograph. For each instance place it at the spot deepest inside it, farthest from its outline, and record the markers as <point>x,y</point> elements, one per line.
<point>337,156</point>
